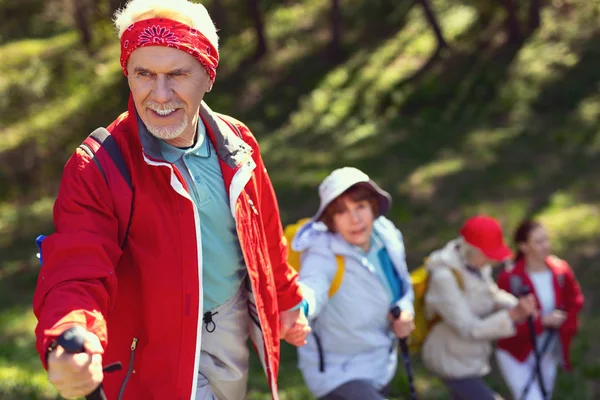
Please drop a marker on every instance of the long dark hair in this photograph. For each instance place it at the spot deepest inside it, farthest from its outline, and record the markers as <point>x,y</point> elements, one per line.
<point>522,235</point>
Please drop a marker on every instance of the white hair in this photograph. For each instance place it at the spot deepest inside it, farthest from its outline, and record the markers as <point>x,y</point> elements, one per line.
<point>466,250</point>
<point>184,11</point>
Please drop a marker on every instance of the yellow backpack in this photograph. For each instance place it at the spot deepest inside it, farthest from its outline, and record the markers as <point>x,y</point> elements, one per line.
<point>294,256</point>
<point>420,281</point>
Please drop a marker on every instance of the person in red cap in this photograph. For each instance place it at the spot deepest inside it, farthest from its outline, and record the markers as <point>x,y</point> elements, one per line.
<point>560,300</point>
<point>204,264</point>
<point>466,309</point>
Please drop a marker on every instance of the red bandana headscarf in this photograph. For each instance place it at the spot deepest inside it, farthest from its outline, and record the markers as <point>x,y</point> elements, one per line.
<point>168,33</point>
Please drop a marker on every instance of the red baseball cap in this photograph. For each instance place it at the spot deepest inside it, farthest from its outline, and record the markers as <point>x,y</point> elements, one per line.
<point>485,233</point>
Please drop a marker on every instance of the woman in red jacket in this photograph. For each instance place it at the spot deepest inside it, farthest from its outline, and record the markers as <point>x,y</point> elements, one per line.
<point>559,299</point>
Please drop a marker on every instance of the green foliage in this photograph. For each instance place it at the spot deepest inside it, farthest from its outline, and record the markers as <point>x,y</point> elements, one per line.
<point>31,18</point>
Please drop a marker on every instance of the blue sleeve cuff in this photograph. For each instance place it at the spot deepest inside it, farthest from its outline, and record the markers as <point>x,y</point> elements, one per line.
<point>406,304</point>
<point>305,307</point>
<point>302,305</point>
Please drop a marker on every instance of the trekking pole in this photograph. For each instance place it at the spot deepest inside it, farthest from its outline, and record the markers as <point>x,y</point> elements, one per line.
<point>533,337</point>
<point>406,357</point>
<point>545,347</point>
<point>72,341</point>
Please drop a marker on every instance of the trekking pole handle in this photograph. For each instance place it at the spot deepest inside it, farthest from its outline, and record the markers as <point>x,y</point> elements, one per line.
<point>396,311</point>
<point>72,340</point>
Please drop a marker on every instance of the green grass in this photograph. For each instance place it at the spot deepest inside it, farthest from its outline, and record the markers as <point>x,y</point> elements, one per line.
<point>507,129</point>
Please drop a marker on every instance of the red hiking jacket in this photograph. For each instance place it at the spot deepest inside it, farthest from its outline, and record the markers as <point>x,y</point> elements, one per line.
<point>568,297</point>
<point>144,303</point>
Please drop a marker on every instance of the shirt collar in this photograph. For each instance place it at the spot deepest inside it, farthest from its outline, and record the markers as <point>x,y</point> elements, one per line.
<point>199,149</point>
<point>375,245</point>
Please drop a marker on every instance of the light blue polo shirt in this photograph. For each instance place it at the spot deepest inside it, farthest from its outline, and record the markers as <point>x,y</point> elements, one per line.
<point>223,263</point>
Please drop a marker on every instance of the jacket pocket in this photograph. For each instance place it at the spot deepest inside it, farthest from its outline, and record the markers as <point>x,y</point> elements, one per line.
<point>130,369</point>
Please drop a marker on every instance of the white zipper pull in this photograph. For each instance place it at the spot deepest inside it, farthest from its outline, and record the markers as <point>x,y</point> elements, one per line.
<point>252,206</point>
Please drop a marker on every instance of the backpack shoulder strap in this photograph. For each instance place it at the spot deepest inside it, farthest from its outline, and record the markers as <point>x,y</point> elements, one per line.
<point>339,275</point>
<point>458,278</point>
<point>102,148</point>
<point>515,284</point>
<point>560,265</point>
<point>561,281</point>
<point>436,318</point>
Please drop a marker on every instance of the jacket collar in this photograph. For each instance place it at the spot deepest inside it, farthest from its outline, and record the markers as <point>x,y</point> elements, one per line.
<point>231,149</point>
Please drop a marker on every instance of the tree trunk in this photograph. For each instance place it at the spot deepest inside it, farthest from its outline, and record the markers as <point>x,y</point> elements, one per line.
<point>512,20</point>
<point>82,22</point>
<point>336,30</point>
<point>535,7</point>
<point>259,27</point>
<point>433,22</point>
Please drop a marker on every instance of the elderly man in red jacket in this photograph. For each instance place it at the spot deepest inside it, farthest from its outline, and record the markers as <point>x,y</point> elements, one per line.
<point>204,265</point>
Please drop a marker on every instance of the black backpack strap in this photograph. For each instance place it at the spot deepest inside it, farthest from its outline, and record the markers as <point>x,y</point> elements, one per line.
<point>561,280</point>
<point>516,285</point>
<point>102,148</point>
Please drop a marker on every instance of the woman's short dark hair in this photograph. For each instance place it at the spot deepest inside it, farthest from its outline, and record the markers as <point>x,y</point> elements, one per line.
<point>356,193</point>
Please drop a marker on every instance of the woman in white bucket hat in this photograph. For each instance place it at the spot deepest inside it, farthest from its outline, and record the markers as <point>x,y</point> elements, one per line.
<point>351,353</point>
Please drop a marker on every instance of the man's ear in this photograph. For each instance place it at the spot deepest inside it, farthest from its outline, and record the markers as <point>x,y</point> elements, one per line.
<point>209,88</point>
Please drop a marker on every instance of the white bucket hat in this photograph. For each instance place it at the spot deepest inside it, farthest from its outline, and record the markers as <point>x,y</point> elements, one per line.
<point>341,180</point>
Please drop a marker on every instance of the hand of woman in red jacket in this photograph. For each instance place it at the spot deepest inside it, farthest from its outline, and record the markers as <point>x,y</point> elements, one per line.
<point>525,308</point>
<point>555,319</point>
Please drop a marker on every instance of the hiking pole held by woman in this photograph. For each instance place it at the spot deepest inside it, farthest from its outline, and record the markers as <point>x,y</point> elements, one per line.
<point>395,311</point>
<point>550,338</point>
<point>72,340</point>
<point>526,290</point>
<point>535,372</point>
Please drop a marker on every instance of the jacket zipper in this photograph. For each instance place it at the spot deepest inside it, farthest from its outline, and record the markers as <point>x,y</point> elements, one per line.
<point>130,369</point>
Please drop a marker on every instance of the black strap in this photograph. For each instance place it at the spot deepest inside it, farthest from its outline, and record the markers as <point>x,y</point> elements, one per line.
<point>109,144</point>
<point>516,285</point>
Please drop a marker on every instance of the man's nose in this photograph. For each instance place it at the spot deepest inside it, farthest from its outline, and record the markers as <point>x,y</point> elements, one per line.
<point>162,89</point>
